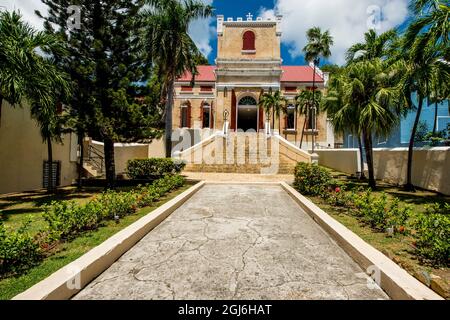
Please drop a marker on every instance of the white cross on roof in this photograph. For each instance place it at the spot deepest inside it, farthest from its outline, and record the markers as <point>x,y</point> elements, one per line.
<point>249,16</point>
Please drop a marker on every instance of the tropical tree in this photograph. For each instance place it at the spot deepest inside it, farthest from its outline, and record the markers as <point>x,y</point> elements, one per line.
<point>304,103</point>
<point>420,65</point>
<point>22,69</point>
<point>433,23</point>
<point>374,46</point>
<point>319,44</point>
<point>170,46</point>
<point>273,102</point>
<point>26,74</point>
<point>106,60</point>
<point>364,100</point>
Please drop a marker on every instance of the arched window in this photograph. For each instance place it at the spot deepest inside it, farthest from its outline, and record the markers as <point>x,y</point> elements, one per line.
<point>248,41</point>
<point>247,101</point>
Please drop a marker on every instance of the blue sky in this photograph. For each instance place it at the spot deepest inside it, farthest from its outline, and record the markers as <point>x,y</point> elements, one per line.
<point>347,21</point>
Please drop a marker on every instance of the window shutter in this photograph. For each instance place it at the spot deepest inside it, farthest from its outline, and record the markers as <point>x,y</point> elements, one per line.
<point>248,41</point>
<point>233,110</point>
<point>211,115</point>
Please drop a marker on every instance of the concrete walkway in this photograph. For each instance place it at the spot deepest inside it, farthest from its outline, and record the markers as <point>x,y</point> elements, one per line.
<point>235,242</point>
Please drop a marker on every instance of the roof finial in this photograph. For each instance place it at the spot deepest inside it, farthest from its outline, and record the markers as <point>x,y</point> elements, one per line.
<point>249,17</point>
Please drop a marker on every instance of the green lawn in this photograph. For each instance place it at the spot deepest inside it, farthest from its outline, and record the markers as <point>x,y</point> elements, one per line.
<point>399,248</point>
<point>16,208</point>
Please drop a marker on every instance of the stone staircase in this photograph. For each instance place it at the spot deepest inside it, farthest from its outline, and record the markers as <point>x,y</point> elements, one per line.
<point>94,162</point>
<point>253,153</point>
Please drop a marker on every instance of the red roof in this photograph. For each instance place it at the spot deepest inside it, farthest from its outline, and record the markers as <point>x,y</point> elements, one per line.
<point>205,74</point>
<point>290,74</point>
<point>298,74</point>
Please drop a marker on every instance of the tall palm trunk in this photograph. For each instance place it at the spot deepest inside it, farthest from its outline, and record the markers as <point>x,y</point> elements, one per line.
<point>361,158</point>
<point>314,105</point>
<point>110,163</point>
<point>273,119</point>
<point>409,186</point>
<point>369,156</point>
<point>303,131</point>
<point>50,186</point>
<point>435,116</point>
<point>168,124</point>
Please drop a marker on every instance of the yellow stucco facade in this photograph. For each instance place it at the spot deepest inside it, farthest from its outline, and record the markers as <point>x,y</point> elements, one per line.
<point>23,152</point>
<point>248,64</point>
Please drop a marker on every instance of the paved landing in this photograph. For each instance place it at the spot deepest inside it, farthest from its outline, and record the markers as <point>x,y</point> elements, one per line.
<point>235,242</point>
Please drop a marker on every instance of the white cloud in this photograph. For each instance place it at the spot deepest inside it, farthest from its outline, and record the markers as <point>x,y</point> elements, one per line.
<point>27,8</point>
<point>203,33</point>
<point>347,20</point>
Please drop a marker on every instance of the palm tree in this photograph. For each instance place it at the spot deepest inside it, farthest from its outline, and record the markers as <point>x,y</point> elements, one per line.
<point>439,92</point>
<point>170,46</point>
<point>22,69</point>
<point>319,45</point>
<point>374,46</point>
<point>273,102</point>
<point>304,106</point>
<point>433,22</point>
<point>26,74</point>
<point>364,100</point>
<point>421,64</point>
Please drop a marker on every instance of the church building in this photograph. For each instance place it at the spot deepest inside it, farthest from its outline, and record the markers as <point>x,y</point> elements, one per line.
<point>249,64</point>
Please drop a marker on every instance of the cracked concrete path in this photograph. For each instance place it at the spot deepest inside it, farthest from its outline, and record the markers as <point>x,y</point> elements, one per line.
<point>235,242</point>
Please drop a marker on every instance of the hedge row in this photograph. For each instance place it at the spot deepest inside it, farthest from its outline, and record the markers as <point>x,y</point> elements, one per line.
<point>67,219</point>
<point>431,230</point>
<point>153,168</point>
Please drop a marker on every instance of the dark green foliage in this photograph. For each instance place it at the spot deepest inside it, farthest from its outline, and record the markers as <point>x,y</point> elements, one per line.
<point>432,234</point>
<point>153,168</point>
<point>67,219</point>
<point>18,250</point>
<point>106,61</point>
<point>311,179</point>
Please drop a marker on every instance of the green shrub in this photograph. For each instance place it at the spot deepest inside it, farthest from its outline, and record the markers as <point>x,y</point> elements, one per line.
<point>153,168</point>
<point>339,197</point>
<point>66,219</point>
<point>117,204</point>
<point>432,234</point>
<point>399,216</point>
<point>379,213</point>
<point>311,179</point>
<point>18,250</point>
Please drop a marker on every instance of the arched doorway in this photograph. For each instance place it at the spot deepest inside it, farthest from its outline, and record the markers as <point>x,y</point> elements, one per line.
<point>247,115</point>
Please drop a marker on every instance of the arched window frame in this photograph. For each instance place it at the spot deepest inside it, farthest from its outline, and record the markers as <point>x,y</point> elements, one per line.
<point>249,42</point>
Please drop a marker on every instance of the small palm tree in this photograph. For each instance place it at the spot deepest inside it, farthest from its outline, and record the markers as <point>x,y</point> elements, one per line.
<point>304,104</point>
<point>170,46</point>
<point>319,44</point>
<point>365,100</point>
<point>273,102</point>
